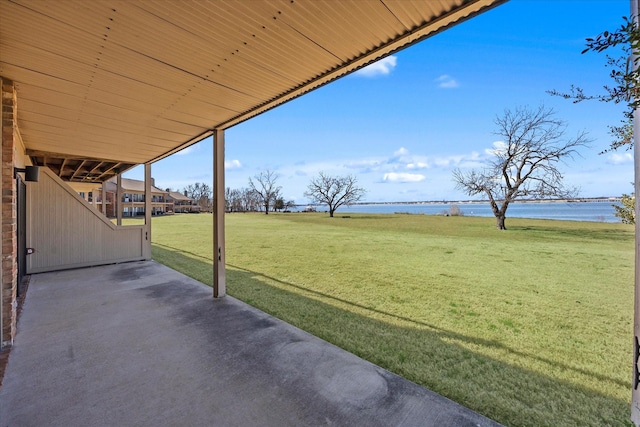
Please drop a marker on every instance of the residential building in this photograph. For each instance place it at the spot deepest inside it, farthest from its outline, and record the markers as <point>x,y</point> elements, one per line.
<point>133,198</point>
<point>183,203</point>
<point>132,201</point>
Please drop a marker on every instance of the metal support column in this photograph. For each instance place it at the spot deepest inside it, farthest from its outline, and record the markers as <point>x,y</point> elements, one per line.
<point>147,211</point>
<point>219,284</point>
<point>118,203</point>
<point>103,196</point>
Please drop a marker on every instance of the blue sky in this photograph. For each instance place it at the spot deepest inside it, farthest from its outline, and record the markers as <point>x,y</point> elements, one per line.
<point>404,124</point>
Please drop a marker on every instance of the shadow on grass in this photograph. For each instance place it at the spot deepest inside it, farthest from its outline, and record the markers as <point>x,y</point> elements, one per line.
<point>441,360</point>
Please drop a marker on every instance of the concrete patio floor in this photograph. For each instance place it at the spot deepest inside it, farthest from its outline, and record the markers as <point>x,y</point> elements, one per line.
<point>139,344</point>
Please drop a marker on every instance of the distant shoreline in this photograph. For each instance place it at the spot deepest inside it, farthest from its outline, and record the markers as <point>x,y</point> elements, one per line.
<point>471,202</point>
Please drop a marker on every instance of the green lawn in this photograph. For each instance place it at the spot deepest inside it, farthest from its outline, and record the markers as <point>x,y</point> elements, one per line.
<point>531,327</point>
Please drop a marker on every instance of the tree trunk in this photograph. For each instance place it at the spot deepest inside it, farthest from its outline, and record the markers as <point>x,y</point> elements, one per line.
<point>500,222</point>
<point>331,212</point>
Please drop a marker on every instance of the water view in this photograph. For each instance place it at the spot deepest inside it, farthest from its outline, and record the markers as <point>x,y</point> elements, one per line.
<point>600,211</point>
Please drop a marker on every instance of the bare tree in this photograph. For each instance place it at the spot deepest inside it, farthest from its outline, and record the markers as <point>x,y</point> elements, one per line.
<point>527,163</point>
<point>266,188</point>
<point>233,200</point>
<point>201,193</point>
<point>228,199</point>
<point>247,200</point>
<point>288,205</point>
<point>274,205</point>
<point>334,191</point>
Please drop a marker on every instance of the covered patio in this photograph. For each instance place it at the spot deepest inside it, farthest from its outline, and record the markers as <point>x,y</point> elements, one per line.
<point>141,344</point>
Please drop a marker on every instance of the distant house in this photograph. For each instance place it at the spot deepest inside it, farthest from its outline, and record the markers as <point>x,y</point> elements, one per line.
<point>132,202</point>
<point>133,198</point>
<point>183,203</point>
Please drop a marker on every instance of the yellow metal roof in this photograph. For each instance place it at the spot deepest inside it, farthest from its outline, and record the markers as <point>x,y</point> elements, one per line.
<point>134,81</point>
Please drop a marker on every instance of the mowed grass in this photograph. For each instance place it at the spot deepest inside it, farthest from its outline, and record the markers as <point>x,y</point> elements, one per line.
<point>531,327</point>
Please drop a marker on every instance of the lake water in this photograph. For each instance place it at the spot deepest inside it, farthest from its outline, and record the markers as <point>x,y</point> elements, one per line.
<point>569,211</point>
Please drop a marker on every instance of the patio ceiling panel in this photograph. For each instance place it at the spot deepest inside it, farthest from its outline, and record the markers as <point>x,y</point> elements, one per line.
<point>260,35</point>
<point>113,114</point>
<point>408,13</point>
<point>364,29</point>
<point>50,129</point>
<point>258,53</point>
<point>346,27</point>
<point>145,100</point>
<point>135,81</point>
<point>214,66</point>
<point>64,95</point>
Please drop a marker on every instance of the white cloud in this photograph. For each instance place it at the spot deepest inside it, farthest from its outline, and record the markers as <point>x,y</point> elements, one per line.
<point>445,81</point>
<point>498,148</point>
<point>471,164</point>
<point>329,166</point>
<point>400,166</point>
<point>418,165</point>
<point>403,177</point>
<point>445,162</point>
<point>617,158</point>
<point>232,164</point>
<point>367,163</point>
<point>381,67</point>
<point>187,150</point>
<point>401,152</point>
<point>402,159</point>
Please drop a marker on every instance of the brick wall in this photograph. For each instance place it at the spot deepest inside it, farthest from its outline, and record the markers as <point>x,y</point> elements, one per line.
<point>111,204</point>
<point>9,220</point>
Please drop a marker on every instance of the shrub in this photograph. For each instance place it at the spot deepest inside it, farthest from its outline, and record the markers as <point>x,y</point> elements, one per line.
<point>454,210</point>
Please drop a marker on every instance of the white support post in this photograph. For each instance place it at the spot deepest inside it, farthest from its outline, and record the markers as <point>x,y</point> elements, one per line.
<point>219,283</point>
<point>118,205</point>
<point>104,198</point>
<point>635,381</point>
<point>94,199</point>
<point>147,211</point>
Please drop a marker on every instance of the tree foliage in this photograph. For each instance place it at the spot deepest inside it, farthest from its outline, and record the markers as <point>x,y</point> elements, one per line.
<point>278,204</point>
<point>334,191</point>
<point>624,73</point>
<point>266,188</point>
<point>622,136</point>
<point>626,212</point>
<point>526,163</point>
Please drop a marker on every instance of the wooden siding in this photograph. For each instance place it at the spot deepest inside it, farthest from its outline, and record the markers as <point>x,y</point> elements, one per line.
<point>67,232</point>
